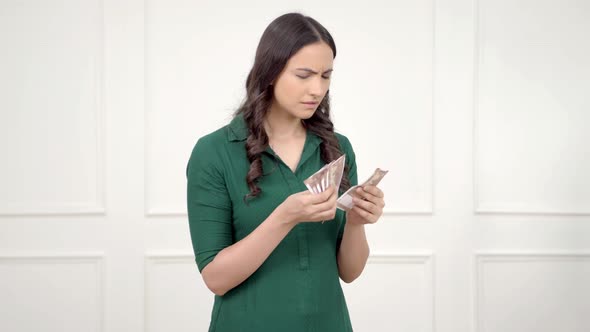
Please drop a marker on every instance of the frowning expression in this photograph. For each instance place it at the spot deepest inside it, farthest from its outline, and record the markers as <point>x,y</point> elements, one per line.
<point>304,81</point>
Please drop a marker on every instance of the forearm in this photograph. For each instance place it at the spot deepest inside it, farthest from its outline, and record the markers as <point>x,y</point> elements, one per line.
<point>353,253</point>
<point>237,262</point>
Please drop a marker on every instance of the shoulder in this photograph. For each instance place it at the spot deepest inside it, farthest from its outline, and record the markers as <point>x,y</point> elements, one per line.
<point>346,148</point>
<point>344,142</point>
<point>207,147</point>
<point>212,140</point>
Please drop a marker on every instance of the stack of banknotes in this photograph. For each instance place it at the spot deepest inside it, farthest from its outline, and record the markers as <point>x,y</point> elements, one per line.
<point>331,175</point>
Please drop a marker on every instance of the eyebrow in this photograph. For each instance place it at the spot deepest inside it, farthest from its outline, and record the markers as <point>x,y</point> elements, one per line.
<point>314,72</point>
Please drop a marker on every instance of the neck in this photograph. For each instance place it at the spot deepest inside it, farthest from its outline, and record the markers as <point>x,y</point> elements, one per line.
<point>281,125</point>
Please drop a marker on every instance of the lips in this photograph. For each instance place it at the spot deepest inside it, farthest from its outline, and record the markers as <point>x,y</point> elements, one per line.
<point>311,103</point>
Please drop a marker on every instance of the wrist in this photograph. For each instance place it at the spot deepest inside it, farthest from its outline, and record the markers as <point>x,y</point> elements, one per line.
<point>354,226</point>
<point>283,218</point>
<point>353,223</point>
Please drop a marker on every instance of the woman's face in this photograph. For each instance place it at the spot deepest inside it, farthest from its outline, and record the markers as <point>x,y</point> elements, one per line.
<point>305,78</point>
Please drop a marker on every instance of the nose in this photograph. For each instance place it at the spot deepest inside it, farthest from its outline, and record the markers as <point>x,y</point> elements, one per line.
<point>316,87</point>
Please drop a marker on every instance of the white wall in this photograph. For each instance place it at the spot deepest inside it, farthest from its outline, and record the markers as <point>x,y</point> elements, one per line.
<point>478,109</point>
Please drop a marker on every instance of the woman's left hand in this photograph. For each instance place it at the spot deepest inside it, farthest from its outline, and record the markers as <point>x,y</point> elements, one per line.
<point>368,209</point>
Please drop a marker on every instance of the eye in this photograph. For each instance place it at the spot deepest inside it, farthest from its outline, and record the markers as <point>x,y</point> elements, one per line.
<point>304,77</point>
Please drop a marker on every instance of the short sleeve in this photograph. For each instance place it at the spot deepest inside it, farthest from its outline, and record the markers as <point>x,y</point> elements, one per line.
<point>352,177</point>
<point>208,204</point>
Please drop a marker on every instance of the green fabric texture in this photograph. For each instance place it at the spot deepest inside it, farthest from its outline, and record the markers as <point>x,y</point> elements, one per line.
<point>297,289</point>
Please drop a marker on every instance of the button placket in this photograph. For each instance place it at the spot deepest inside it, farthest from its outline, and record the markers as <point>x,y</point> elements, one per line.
<point>292,182</point>
<point>295,183</point>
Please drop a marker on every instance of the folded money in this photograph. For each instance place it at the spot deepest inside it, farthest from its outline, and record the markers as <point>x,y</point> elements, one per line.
<point>336,172</point>
<point>345,202</point>
<point>329,175</point>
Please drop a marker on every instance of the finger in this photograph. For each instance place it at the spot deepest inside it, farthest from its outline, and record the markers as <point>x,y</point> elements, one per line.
<point>374,190</point>
<point>328,193</point>
<point>324,206</point>
<point>364,214</point>
<point>323,211</point>
<point>369,197</point>
<point>365,205</point>
<point>365,195</point>
<point>377,192</point>
<point>322,197</point>
<point>328,215</point>
<point>334,196</point>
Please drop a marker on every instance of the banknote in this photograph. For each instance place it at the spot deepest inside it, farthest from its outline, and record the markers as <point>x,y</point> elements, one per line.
<point>329,175</point>
<point>336,172</point>
<point>345,202</point>
<point>316,181</point>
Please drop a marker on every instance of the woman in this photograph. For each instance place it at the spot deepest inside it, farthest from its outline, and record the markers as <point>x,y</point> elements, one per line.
<point>255,228</point>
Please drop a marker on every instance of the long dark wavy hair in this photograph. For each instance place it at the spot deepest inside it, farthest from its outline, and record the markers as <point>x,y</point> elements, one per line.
<point>283,37</point>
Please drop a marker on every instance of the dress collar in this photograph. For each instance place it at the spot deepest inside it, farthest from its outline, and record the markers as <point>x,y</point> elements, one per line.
<point>238,131</point>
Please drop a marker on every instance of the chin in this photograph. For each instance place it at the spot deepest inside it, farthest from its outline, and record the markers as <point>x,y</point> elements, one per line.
<point>306,116</point>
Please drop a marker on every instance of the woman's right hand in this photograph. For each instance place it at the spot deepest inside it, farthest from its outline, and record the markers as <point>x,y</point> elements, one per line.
<point>306,206</point>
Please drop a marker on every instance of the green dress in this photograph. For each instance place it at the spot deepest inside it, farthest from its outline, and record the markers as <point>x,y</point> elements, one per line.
<point>297,289</point>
